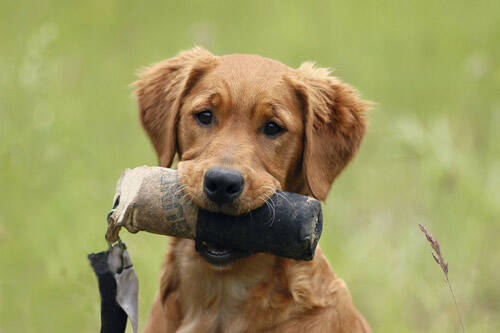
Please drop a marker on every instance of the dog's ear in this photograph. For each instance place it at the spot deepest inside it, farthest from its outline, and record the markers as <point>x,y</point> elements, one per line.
<point>160,91</point>
<point>334,125</point>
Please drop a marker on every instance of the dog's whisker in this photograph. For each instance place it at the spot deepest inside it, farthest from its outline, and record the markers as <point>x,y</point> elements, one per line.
<point>271,202</point>
<point>278,193</point>
<point>272,209</point>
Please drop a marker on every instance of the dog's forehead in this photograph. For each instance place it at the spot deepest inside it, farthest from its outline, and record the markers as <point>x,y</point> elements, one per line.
<point>249,64</point>
<point>249,79</point>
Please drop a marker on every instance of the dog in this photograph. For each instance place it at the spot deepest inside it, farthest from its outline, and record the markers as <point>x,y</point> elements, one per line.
<point>243,126</point>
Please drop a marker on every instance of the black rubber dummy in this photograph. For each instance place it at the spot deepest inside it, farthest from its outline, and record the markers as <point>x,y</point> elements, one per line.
<point>289,226</point>
<point>151,199</point>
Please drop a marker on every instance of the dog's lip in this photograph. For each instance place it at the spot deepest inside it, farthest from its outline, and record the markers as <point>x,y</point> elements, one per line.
<point>231,208</point>
<point>238,207</point>
<point>218,255</point>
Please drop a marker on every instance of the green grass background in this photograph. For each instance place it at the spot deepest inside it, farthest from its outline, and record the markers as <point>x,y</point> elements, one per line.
<point>68,127</point>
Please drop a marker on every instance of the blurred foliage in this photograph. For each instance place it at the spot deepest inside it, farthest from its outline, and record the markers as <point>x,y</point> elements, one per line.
<point>68,127</point>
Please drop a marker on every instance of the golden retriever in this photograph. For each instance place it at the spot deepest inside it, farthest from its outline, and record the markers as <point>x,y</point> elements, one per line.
<point>242,127</point>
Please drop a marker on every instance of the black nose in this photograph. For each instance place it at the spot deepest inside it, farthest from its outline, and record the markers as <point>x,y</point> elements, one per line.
<point>223,185</point>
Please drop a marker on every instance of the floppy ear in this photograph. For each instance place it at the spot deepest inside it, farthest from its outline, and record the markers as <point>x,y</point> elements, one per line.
<point>334,125</point>
<point>160,91</point>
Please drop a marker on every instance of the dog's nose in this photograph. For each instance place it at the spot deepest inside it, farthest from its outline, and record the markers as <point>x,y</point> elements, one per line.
<point>223,185</point>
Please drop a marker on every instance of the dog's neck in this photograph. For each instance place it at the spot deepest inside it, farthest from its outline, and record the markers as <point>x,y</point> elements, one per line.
<point>213,295</point>
<point>259,292</point>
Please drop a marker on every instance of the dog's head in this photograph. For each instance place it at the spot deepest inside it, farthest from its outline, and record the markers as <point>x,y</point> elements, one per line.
<point>244,126</point>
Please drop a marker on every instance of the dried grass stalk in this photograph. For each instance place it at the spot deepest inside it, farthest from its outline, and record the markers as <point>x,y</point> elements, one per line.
<point>438,258</point>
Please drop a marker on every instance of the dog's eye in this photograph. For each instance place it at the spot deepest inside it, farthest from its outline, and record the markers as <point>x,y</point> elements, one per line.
<point>204,117</point>
<point>272,129</point>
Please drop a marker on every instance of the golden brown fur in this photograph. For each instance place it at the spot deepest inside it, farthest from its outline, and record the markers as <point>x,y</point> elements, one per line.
<point>324,121</point>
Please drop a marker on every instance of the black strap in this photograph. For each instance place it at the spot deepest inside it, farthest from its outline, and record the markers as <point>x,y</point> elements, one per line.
<point>113,318</point>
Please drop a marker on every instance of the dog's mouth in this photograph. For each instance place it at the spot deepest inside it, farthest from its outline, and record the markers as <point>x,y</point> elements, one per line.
<point>218,255</point>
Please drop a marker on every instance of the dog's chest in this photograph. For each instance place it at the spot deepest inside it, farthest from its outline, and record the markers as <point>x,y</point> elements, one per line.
<point>212,302</point>
<point>215,301</point>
